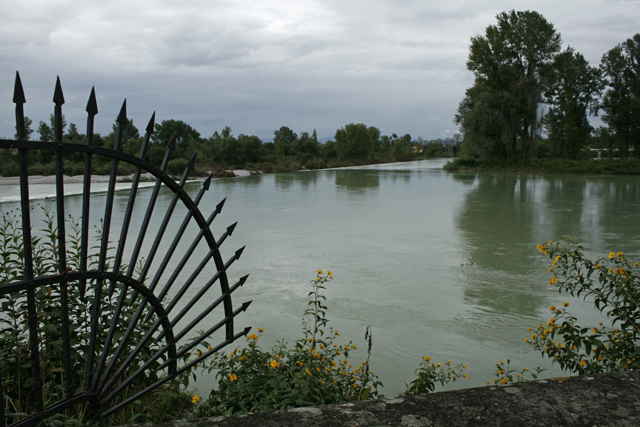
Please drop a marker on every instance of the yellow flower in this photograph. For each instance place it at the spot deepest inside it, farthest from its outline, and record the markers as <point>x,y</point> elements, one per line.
<point>501,362</point>
<point>504,380</point>
<point>241,358</point>
<point>319,272</point>
<point>552,281</point>
<point>500,371</point>
<point>354,347</point>
<point>538,246</point>
<point>260,330</point>
<point>464,366</point>
<point>438,365</point>
<point>550,242</point>
<point>565,304</point>
<point>195,399</point>
<point>233,377</point>
<point>595,331</point>
<point>464,375</point>
<point>526,340</point>
<point>330,274</point>
<point>583,363</point>
<point>611,255</point>
<point>449,361</point>
<point>619,254</point>
<point>552,308</point>
<point>307,370</point>
<point>336,332</point>
<point>427,358</point>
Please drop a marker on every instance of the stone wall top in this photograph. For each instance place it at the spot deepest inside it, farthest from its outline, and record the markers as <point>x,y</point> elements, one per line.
<point>611,399</point>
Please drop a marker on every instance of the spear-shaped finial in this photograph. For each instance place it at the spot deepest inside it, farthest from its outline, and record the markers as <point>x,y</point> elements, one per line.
<point>18,98</point>
<point>122,121</point>
<point>92,104</point>
<point>152,122</point>
<point>192,161</point>
<point>92,110</point>
<point>122,117</point>
<point>58,99</point>
<point>58,96</point>
<point>18,92</point>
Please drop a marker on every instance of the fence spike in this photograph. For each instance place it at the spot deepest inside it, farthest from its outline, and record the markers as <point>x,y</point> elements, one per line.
<point>151,126</point>
<point>220,205</point>
<point>192,161</point>
<point>122,117</point>
<point>231,228</point>
<point>239,252</point>
<point>18,91</point>
<point>92,105</point>
<point>207,182</point>
<point>18,98</point>
<point>58,96</point>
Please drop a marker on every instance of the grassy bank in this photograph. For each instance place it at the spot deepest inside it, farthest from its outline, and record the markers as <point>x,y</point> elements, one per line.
<point>630,166</point>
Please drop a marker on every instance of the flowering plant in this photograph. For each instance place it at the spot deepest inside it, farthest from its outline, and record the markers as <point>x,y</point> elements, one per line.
<point>614,284</point>
<point>431,373</point>
<point>316,371</point>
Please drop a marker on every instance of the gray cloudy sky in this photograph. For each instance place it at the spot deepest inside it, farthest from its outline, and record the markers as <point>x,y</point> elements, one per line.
<point>258,65</point>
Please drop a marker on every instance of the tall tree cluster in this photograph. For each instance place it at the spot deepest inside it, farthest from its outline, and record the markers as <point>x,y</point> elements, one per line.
<point>525,84</point>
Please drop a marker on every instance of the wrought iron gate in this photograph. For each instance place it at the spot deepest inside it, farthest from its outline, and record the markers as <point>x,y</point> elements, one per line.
<point>127,333</point>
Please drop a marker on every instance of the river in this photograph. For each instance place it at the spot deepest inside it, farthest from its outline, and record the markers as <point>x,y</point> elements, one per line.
<point>439,264</point>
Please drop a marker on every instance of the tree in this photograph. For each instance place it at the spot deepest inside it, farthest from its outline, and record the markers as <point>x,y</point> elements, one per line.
<point>45,131</point>
<point>621,101</point>
<point>356,141</point>
<point>510,63</point>
<point>573,91</point>
<point>282,140</point>
<point>27,128</point>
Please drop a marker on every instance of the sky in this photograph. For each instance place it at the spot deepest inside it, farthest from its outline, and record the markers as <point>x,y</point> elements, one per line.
<point>255,66</point>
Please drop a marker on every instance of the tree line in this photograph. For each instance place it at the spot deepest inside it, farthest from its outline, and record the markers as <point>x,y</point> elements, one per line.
<point>531,99</point>
<point>353,144</point>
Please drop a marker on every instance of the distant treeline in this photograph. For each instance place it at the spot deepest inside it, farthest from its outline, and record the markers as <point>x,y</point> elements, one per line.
<point>531,100</point>
<point>353,144</point>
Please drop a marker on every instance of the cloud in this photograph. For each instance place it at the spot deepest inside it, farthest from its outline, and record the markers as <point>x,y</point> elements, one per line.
<point>256,66</point>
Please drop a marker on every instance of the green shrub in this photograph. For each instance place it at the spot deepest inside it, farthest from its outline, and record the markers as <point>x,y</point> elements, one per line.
<point>614,284</point>
<point>316,371</point>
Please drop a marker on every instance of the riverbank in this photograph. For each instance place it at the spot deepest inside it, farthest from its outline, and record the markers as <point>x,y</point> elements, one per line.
<point>79,179</point>
<point>629,166</point>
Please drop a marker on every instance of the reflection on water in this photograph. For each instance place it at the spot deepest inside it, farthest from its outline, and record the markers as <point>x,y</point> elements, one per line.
<point>438,264</point>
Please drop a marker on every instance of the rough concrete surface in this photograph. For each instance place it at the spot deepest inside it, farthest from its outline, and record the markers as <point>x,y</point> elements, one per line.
<point>604,400</point>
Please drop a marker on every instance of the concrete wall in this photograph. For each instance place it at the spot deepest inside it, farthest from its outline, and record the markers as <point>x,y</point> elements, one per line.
<point>604,400</point>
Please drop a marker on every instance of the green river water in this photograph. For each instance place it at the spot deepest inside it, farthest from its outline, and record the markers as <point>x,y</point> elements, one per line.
<point>439,264</point>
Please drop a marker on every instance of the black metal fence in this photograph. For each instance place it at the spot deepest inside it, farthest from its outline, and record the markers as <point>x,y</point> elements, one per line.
<point>125,342</point>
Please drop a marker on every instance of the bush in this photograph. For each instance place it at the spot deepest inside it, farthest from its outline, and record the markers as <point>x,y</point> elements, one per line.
<point>316,371</point>
<point>614,284</point>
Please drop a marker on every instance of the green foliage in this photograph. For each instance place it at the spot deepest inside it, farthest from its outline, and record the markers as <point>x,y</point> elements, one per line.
<point>498,115</point>
<point>507,375</point>
<point>315,371</point>
<point>628,166</point>
<point>165,403</point>
<point>573,91</point>
<point>621,101</point>
<point>356,141</point>
<point>428,374</point>
<point>613,283</point>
